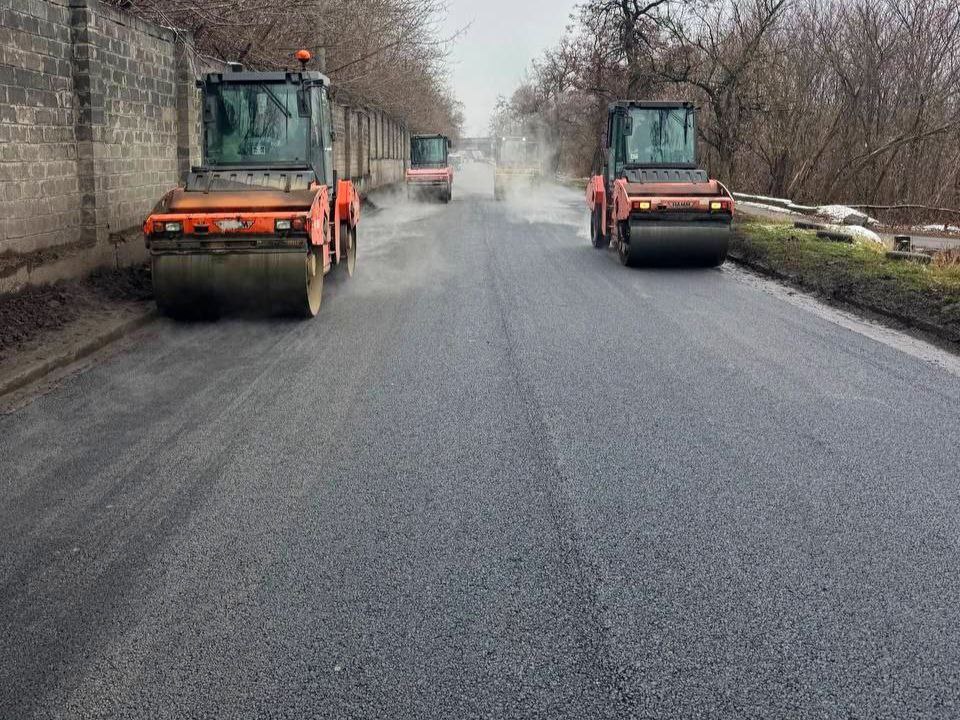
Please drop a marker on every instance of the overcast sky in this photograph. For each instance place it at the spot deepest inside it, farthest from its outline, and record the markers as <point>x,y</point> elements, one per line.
<point>505,35</point>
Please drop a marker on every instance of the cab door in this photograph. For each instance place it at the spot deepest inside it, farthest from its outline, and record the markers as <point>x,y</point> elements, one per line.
<point>616,149</point>
<point>321,140</point>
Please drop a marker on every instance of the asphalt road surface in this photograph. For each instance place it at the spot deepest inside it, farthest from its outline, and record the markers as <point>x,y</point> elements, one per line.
<point>500,476</point>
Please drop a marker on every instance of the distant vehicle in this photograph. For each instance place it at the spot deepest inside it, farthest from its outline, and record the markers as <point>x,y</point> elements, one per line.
<point>519,164</point>
<point>647,195</point>
<point>430,172</point>
<point>264,218</point>
<point>456,160</point>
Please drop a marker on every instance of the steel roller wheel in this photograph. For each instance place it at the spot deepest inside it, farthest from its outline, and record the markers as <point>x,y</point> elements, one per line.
<point>205,285</point>
<point>597,238</point>
<point>314,272</point>
<point>622,244</point>
<point>623,252</point>
<point>348,250</point>
<point>352,251</point>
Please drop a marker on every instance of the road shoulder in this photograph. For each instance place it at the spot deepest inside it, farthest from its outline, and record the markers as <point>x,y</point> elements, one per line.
<point>923,300</point>
<point>49,328</point>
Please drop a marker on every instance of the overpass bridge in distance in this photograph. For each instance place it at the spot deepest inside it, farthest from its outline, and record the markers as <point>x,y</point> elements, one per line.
<point>482,144</point>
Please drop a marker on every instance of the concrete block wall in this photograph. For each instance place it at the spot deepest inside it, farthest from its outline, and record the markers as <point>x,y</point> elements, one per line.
<point>88,133</point>
<point>372,148</point>
<point>99,116</point>
<point>40,201</point>
<point>125,75</point>
<point>388,146</point>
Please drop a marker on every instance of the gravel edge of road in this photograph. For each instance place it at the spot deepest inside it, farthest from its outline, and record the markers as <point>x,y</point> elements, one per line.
<point>929,332</point>
<point>75,352</point>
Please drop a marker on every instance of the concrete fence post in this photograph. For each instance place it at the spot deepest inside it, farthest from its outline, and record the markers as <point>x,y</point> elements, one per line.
<point>189,111</point>
<point>88,85</point>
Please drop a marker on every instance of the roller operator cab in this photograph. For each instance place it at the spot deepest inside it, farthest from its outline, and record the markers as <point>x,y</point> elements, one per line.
<point>264,218</point>
<point>519,165</point>
<point>649,198</point>
<point>430,173</point>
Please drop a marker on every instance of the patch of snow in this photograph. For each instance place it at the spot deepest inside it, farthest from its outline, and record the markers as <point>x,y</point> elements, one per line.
<point>939,228</point>
<point>858,233</point>
<point>845,215</point>
<point>834,212</point>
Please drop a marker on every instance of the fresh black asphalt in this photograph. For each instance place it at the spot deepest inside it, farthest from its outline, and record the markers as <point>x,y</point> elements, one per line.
<point>500,476</point>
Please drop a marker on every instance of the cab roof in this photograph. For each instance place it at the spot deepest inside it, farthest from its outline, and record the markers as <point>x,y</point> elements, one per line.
<point>652,104</point>
<point>252,76</point>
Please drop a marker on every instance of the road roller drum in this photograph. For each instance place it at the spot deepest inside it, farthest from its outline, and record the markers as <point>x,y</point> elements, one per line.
<point>205,284</point>
<point>662,245</point>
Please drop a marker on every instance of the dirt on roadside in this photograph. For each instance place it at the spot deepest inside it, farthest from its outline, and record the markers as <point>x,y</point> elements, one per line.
<point>27,314</point>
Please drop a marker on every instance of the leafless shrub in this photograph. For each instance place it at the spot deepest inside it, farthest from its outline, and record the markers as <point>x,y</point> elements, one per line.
<point>946,258</point>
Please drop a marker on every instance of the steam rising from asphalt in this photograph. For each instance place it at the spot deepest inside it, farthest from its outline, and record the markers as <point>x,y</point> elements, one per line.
<point>548,203</point>
<point>392,219</point>
<point>395,226</point>
<point>543,203</point>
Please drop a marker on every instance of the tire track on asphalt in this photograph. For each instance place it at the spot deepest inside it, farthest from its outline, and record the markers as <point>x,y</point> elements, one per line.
<point>614,678</point>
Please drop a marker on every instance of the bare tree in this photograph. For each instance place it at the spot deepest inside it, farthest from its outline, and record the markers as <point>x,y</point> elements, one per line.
<point>821,100</point>
<point>389,53</point>
<point>718,50</point>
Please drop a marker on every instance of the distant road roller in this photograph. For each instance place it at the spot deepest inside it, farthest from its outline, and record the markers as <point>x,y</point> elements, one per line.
<point>264,219</point>
<point>519,166</point>
<point>649,198</point>
<point>430,172</point>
